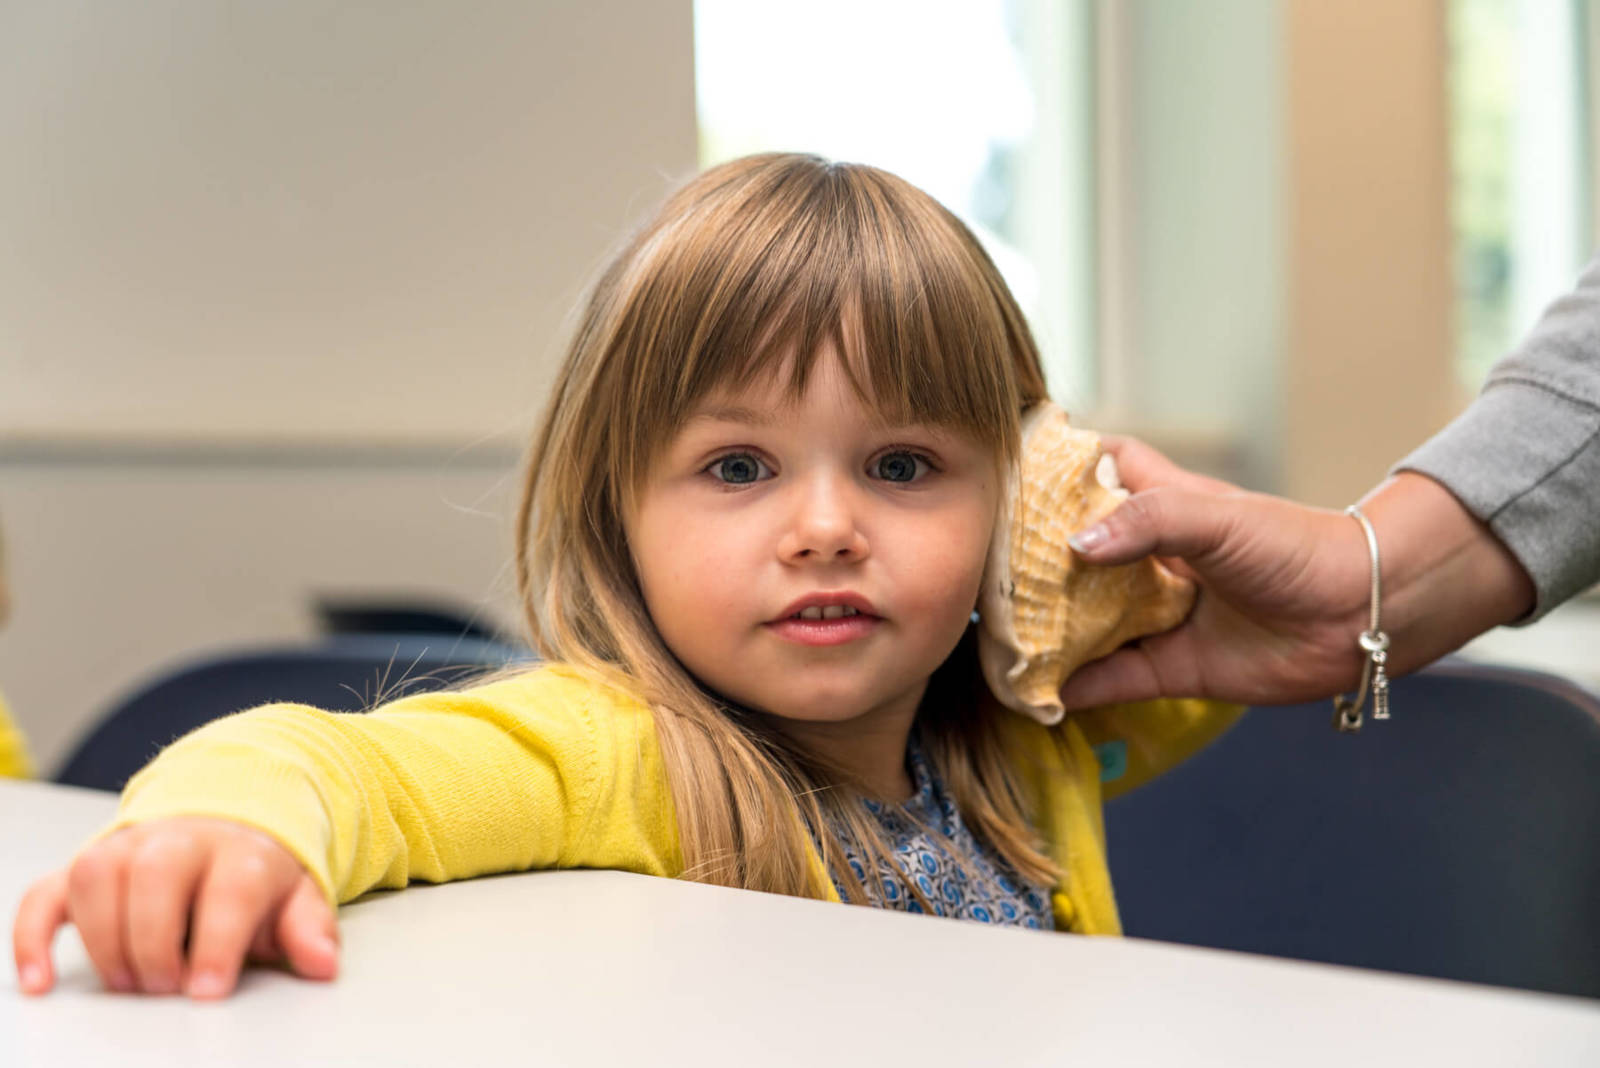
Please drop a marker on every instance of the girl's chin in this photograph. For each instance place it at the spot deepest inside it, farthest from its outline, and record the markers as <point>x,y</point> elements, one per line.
<point>836,700</point>
<point>828,709</point>
<point>829,714</point>
<point>822,709</point>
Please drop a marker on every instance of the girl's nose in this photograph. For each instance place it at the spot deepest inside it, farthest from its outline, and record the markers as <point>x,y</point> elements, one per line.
<point>824,525</point>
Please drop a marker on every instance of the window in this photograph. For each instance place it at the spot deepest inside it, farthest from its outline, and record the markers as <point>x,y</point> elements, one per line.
<point>1120,159</point>
<point>1520,165</point>
<point>986,104</point>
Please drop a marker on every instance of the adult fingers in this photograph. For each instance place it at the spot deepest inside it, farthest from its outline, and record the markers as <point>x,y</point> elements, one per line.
<point>41,914</point>
<point>308,932</point>
<point>1126,675</point>
<point>163,873</point>
<point>1162,665</point>
<point>96,894</point>
<point>1141,467</point>
<point>1167,521</point>
<point>237,894</point>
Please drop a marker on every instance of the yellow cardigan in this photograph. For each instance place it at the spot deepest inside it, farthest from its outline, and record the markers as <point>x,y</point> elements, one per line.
<point>551,769</point>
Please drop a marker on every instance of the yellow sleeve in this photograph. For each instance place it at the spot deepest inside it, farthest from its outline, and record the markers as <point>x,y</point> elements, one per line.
<point>14,761</point>
<point>1152,737</point>
<point>542,770</point>
<point>1060,773</point>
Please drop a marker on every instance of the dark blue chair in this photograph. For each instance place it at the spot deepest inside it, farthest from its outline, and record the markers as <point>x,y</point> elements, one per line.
<point>1460,839</point>
<point>345,673</point>
<point>409,616</point>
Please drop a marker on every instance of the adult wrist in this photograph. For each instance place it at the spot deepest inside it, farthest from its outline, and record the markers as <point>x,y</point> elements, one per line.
<point>1446,577</point>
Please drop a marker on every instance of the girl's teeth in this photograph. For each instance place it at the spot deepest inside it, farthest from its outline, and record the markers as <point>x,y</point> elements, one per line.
<point>832,611</point>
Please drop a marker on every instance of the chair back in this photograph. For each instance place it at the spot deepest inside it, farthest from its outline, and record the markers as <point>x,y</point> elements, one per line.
<point>1459,839</point>
<point>346,673</point>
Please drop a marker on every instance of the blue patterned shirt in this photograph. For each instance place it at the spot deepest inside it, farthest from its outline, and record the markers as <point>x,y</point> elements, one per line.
<point>981,887</point>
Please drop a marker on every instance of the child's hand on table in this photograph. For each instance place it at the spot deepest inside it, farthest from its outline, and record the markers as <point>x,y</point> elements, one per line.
<point>144,895</point>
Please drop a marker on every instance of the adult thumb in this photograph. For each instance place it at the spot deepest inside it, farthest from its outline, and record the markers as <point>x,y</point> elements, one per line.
<point>1165,521</point>
<point>1125,675</point>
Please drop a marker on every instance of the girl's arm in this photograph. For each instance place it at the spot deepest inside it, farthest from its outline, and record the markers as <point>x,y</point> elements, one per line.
<point>542,770</point>
<point>546,769</point>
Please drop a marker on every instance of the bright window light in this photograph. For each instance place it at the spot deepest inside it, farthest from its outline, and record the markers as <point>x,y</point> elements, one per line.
<point>983,103</point>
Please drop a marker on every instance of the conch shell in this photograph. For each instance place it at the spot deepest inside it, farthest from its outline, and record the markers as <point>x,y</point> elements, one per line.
<point>1042,613</point>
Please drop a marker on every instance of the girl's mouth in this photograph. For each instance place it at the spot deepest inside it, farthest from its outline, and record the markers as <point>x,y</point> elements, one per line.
<point>829,611</point>
<point>831,617</point>
<point>832,624</point>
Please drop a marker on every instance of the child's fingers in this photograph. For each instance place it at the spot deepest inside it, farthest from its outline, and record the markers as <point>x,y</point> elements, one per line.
<point>41,914</point>
<point>308,932</point>
<point>163,872</point>
<point>96,893</point>
<point>264,948</point>
<point>244,884</point>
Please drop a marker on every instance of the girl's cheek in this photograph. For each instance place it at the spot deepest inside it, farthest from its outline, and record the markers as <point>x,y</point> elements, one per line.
<point>946,576</point>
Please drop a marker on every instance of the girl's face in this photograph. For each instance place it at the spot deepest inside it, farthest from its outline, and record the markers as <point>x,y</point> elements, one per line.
<point>763,514</point>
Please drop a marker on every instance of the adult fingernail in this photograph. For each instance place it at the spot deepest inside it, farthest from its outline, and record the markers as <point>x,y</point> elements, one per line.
<point>32,977</point>
<point>1088,540</point>
<point>122,983</point>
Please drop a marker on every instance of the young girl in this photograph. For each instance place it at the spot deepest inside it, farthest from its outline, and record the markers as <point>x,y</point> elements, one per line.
<point>750,545</point>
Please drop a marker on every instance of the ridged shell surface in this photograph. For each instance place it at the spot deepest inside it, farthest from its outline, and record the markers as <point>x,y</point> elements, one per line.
<point>1042,612</point>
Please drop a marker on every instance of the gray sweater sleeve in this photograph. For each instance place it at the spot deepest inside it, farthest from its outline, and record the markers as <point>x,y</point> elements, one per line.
<point>1525,457</point>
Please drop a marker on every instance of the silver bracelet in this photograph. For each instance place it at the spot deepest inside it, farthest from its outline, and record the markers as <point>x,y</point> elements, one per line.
<point>1374,642</point>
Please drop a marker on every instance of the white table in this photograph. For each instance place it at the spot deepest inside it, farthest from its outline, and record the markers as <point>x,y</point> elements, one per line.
<point>610,968</point>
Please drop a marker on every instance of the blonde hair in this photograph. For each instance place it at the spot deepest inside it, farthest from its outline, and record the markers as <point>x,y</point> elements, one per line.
<point>753,261</point>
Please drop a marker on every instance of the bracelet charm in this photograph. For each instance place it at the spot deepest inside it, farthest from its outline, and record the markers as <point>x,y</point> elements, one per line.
<point>1380,687</point>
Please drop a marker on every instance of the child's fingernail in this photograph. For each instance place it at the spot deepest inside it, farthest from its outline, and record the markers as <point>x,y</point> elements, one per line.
<point>122,983</point>
<point>1087,540</point>
<point>32,977</point>
<point>205,985</point>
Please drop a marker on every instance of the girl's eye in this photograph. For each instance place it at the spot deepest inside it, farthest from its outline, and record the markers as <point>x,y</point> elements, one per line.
<point>900,466</point>
<point>738,468</point>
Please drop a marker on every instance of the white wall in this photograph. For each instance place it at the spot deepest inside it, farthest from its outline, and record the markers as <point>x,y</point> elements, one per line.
<point>284,285</point>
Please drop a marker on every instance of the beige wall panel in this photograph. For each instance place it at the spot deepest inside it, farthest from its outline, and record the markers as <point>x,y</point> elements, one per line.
<point>120,572</point>
<point>1369,373</point>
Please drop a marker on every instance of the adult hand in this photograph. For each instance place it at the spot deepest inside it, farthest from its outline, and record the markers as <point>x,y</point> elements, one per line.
<point>143,895</point>
<point>1285,589</point>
